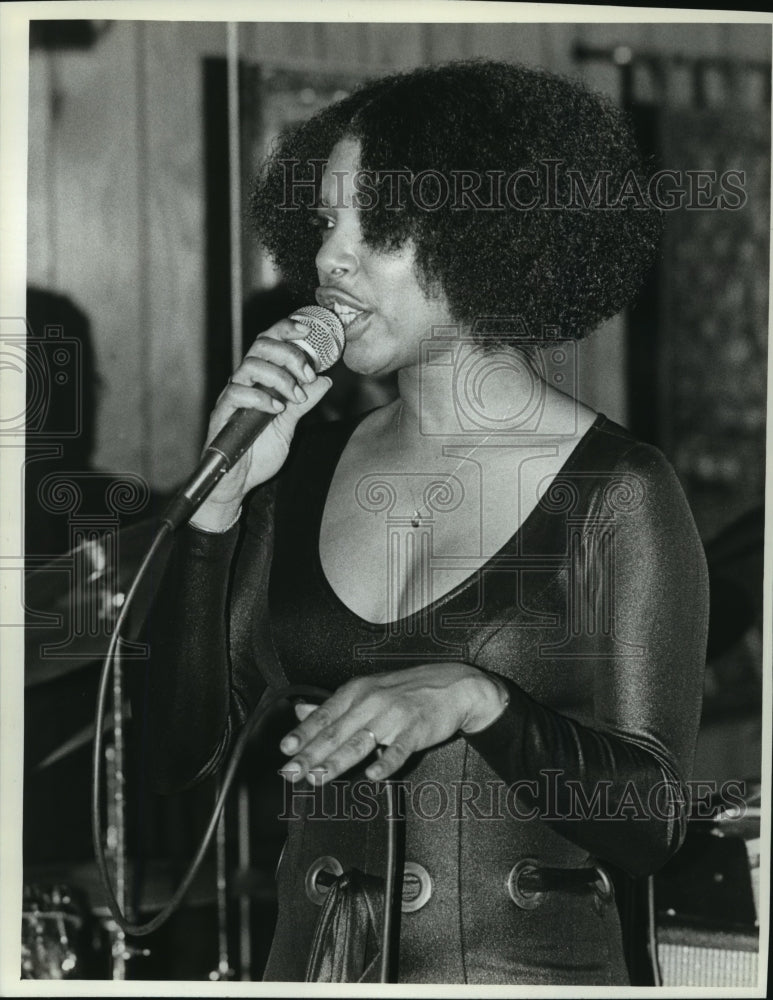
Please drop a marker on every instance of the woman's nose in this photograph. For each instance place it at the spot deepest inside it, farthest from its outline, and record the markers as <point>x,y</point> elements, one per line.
<point>337,255</point>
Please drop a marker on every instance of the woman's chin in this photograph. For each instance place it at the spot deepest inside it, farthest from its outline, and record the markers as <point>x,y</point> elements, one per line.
<point>362,361</point>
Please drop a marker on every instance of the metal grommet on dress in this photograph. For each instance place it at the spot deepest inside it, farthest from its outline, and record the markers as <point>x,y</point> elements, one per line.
<point>527,900</point>
<point>315,890</point>
<point>604,890</point>
<point>417,887</point>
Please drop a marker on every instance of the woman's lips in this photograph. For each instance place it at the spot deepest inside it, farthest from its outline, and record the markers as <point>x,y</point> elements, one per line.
<point>355,327</point>
<point>330,296</point>
<point>346,313</point>
<point>349,310</point>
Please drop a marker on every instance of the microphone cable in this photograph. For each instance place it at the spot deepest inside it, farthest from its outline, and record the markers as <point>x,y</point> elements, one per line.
<point>652,933</point>
<point>253,723</point>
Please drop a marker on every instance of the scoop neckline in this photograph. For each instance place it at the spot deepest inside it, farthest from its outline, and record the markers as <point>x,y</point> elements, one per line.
<point>464,584</point>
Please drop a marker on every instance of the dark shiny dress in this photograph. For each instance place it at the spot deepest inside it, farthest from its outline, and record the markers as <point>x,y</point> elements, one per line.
<point>594,613</point>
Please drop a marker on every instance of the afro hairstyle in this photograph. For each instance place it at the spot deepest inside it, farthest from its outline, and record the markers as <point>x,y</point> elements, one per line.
<point>554,270</point>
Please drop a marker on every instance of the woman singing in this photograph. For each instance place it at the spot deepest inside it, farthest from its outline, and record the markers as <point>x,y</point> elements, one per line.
<point>502,590</point>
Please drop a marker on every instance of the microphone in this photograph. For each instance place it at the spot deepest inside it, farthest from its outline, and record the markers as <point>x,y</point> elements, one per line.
<point>324,346</point>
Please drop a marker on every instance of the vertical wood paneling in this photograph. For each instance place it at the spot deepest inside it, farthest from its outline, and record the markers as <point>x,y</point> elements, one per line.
<point>262,41</point>
<point>555,47</point>
<point>96,237</point>
<point>397,45</point>
<point>689,39</point>
<point>343,45</point>
<point>750,41</point>
<point>40,256</point>
<point>600,76</point>
<point>456,44</point>
<point>298,40</point>
<point>174,209</point>
<point>440,44</point>
<point>365,48</point>
<point>520,43</point>
<point>362,42</point>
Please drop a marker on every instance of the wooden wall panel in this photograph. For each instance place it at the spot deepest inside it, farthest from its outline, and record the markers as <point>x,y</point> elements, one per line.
<point>298,40</point>
<point>555,47</point>
<point>511,42</point>
<point>397,45</point>
<point>361,47</point>
<point>41,262</point>
<point>172,218</point>
<point>95,235</point>
<point>344,45</point>
<point>601,76</point>
<point>751,41</point>
<point>263,41</point>
<point>442,42</point>
<point>602,357</point>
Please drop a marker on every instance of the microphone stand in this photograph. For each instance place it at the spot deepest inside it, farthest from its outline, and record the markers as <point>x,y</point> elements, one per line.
<point>224,970</point>
<point>116,822</point>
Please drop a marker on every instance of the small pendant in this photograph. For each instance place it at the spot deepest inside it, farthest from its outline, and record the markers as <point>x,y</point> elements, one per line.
<point>416,519</point>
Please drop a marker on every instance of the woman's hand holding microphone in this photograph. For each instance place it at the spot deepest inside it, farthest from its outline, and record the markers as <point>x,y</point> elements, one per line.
<point>276,377</point>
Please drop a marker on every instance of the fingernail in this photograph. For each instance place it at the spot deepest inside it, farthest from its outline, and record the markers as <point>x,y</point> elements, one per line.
<point>291,771</point>
<point>302,328</point>
<point>278,405</point>
<point>289,744</point>
<point>308,373</point>
<point>374,772</point>
<point>299,394</point>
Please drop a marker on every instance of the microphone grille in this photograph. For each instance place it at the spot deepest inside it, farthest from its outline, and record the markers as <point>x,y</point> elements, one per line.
<point>325,342</point>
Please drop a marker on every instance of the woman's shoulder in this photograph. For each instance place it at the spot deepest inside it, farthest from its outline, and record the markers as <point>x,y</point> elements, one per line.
<point>624,452</point>
<point>641,482</point>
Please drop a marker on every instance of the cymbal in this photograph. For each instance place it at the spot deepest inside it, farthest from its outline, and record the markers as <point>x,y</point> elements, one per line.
<point>72,602</point>
<point>159,880</point>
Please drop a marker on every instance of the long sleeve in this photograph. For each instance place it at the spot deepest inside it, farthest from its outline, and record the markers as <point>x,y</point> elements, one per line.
<point>614,783</point>
<point>207,637</point>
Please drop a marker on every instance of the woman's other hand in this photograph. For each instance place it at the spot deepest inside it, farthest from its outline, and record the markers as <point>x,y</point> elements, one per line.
<point>403,711</point>
<point>277,377</point>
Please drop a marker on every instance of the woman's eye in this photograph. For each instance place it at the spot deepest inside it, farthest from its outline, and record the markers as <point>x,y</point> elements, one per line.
<point>321,221</point>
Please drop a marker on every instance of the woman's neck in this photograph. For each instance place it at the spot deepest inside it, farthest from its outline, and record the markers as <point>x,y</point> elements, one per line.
<point>459,390</point>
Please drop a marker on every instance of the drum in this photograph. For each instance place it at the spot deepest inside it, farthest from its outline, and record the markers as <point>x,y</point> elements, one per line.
<point>51,933</point>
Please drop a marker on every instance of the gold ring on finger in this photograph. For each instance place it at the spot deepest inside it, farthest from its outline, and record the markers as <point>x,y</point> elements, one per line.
<point>373,736</point>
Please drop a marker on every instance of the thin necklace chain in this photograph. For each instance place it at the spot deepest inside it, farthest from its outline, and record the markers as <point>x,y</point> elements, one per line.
<point>416,517</point>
